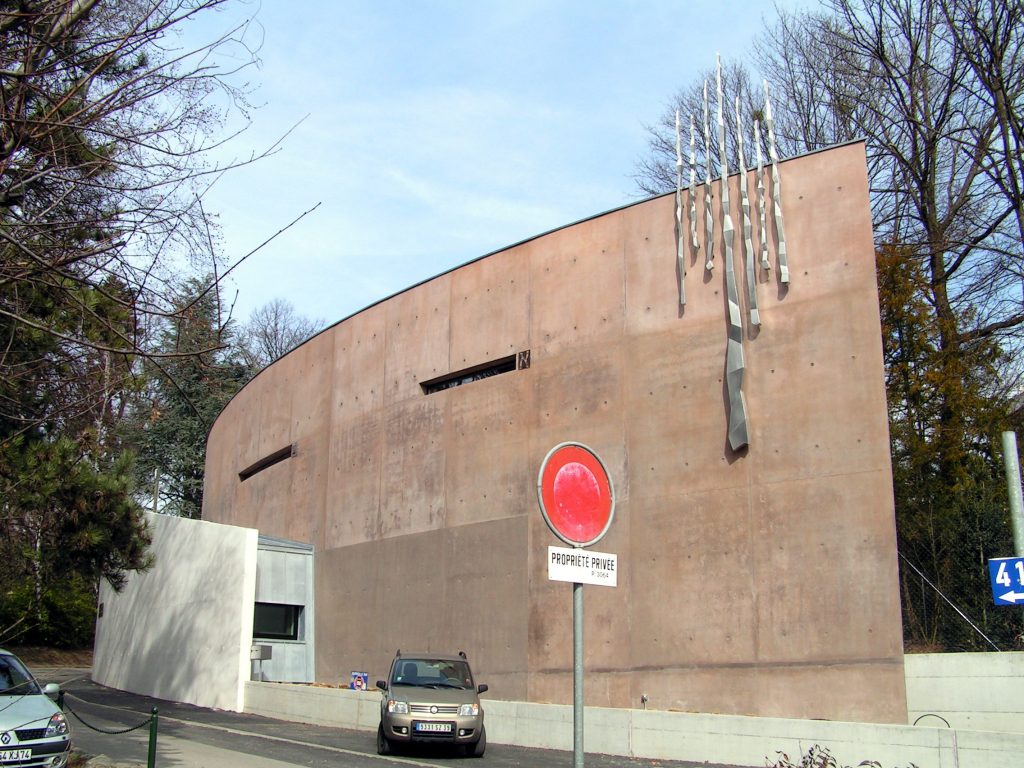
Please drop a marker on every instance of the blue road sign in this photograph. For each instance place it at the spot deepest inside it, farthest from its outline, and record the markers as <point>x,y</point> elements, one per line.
<point>1007,577</point>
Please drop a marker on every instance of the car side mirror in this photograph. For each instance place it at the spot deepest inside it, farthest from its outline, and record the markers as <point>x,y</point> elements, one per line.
<point>52,690</point>
<point>482,688</point>
<point>382,685</point>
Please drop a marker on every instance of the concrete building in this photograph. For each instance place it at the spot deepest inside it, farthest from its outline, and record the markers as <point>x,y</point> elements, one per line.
<point>403,444</point>
<point>186,628</point>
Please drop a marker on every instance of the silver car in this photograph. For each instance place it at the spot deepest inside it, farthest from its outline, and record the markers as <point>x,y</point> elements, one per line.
<point>430,697</point>
<point>33,731</point>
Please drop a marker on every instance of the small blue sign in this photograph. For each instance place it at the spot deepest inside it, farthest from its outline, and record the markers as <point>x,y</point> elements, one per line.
<point>359,681</point>
<point>1006,575</point>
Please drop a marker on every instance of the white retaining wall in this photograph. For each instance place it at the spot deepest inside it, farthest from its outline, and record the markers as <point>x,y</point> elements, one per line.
<point>183,629</point>
<point>746,741</point>
<point>974,691</point>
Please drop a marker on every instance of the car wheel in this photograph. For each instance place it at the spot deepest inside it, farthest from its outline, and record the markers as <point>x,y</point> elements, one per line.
<point>383,744</point>
<point>481,744</point>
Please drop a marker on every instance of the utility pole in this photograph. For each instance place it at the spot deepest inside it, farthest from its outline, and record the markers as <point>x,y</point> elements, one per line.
<point>1012,465</point>
<point>156,489</point>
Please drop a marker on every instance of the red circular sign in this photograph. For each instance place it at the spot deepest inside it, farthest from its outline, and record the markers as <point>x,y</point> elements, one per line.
<point>575,494</point>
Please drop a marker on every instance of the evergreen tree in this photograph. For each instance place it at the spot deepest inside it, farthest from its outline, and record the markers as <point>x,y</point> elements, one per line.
<point>186,393</point>
<point>951,516</point>
<point>68,515</point>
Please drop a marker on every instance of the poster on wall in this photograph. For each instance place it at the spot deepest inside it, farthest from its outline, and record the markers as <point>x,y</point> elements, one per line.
<point>359,681</point>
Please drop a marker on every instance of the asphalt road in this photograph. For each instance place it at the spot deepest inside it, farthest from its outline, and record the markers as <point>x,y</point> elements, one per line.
<point>204,738</point>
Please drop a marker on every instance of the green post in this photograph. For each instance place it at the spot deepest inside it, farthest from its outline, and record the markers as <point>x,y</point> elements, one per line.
<point>151,763</point>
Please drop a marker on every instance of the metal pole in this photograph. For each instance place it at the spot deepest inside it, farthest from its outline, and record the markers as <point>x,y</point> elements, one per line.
<point>577,675</point>
<point>151,762</point>
<point>1012,464</point>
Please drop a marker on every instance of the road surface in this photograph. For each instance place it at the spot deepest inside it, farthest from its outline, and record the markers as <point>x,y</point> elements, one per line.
<point>195,737</point>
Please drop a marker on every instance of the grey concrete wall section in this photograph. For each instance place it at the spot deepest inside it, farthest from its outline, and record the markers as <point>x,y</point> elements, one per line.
<point>290,662</point>
<point>700,738</point>
<point>759,582</point>
<point>281,577</point>
<point>974,691</point>
<point>285,576</point>
<point>183,629</point>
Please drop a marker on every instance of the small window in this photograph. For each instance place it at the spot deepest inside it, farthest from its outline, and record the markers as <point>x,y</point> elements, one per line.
<point>477,372</point>
<point>275,621</point>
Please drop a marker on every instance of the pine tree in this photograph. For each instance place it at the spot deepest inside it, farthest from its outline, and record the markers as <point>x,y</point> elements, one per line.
<point>185,396</point>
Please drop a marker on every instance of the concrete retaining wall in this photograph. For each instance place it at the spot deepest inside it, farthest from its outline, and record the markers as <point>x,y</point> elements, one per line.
<point>728,739</point>
<point>976,691</point>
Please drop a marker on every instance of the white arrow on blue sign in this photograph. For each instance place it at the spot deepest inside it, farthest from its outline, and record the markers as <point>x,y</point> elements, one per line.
<point>1007,577</point>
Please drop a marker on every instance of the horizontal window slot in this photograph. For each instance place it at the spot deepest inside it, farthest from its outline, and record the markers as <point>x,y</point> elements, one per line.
<point>476,373</point>
<point>267,461</point>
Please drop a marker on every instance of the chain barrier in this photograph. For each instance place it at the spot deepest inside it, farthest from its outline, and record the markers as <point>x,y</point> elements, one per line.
<point>64,705</point>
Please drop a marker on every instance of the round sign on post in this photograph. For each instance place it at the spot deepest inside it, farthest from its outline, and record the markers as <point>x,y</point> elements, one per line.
<point>576,494</point>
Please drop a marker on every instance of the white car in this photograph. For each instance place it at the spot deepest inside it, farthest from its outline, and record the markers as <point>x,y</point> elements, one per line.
<point>33,731</point>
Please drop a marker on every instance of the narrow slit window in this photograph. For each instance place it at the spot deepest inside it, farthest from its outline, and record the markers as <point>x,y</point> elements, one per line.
<point>476,373</point>
<point>267,461</point>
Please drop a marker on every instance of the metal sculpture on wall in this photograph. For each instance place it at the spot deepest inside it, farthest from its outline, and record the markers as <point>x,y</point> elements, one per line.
<point>735,363</point>
<point>776,188</point>
<point>755,316</point>
<point>765,264</point>
<point>693,189</point>
<point>680,255</point>
<point>709,215</point>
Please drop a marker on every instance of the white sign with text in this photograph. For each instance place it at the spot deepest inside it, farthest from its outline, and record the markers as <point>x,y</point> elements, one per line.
<point>581,566</point>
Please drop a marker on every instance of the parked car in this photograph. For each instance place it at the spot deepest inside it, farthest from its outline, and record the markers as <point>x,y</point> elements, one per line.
<point>430,697</point>
<point>33,730</point>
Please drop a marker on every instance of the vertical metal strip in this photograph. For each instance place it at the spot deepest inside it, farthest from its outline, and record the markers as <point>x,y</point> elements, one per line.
<point>709,215</point>
<point>765,263</point>
<point>693,189</point>
<point>680,254</point>
<point>755,315</point>
<point>776,188</point>
<point>734,362</point>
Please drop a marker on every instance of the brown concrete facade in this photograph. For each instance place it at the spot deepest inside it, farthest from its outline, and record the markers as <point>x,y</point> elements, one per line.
<point>758,582</point>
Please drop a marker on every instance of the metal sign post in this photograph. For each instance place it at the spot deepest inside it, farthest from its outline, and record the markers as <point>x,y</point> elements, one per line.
<point>577,500</point>
<point>577,675</point>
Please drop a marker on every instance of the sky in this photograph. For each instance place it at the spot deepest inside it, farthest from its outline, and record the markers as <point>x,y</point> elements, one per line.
<point>428,133</point>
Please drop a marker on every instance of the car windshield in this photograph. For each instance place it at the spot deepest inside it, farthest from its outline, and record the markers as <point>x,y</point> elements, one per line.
<point>15,680</point>
<point>432,673</point>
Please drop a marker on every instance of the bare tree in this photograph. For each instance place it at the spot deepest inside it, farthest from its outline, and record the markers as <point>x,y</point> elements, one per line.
<point>939,176</point>
<point>656,173</point>
<point>271,331</point>
<point>936,89</point>
<point>990,33</point>
<point>107,124</point>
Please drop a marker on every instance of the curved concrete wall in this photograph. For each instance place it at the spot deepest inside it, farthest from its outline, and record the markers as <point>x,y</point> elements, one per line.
<point>758,582</point>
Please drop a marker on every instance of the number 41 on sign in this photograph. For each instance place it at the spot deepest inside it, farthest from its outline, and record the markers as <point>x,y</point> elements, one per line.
<point>1007,577</point>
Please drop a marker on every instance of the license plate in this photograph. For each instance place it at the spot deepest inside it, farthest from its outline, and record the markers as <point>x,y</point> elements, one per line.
<point>15,755</point>
<point>434,727</point>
